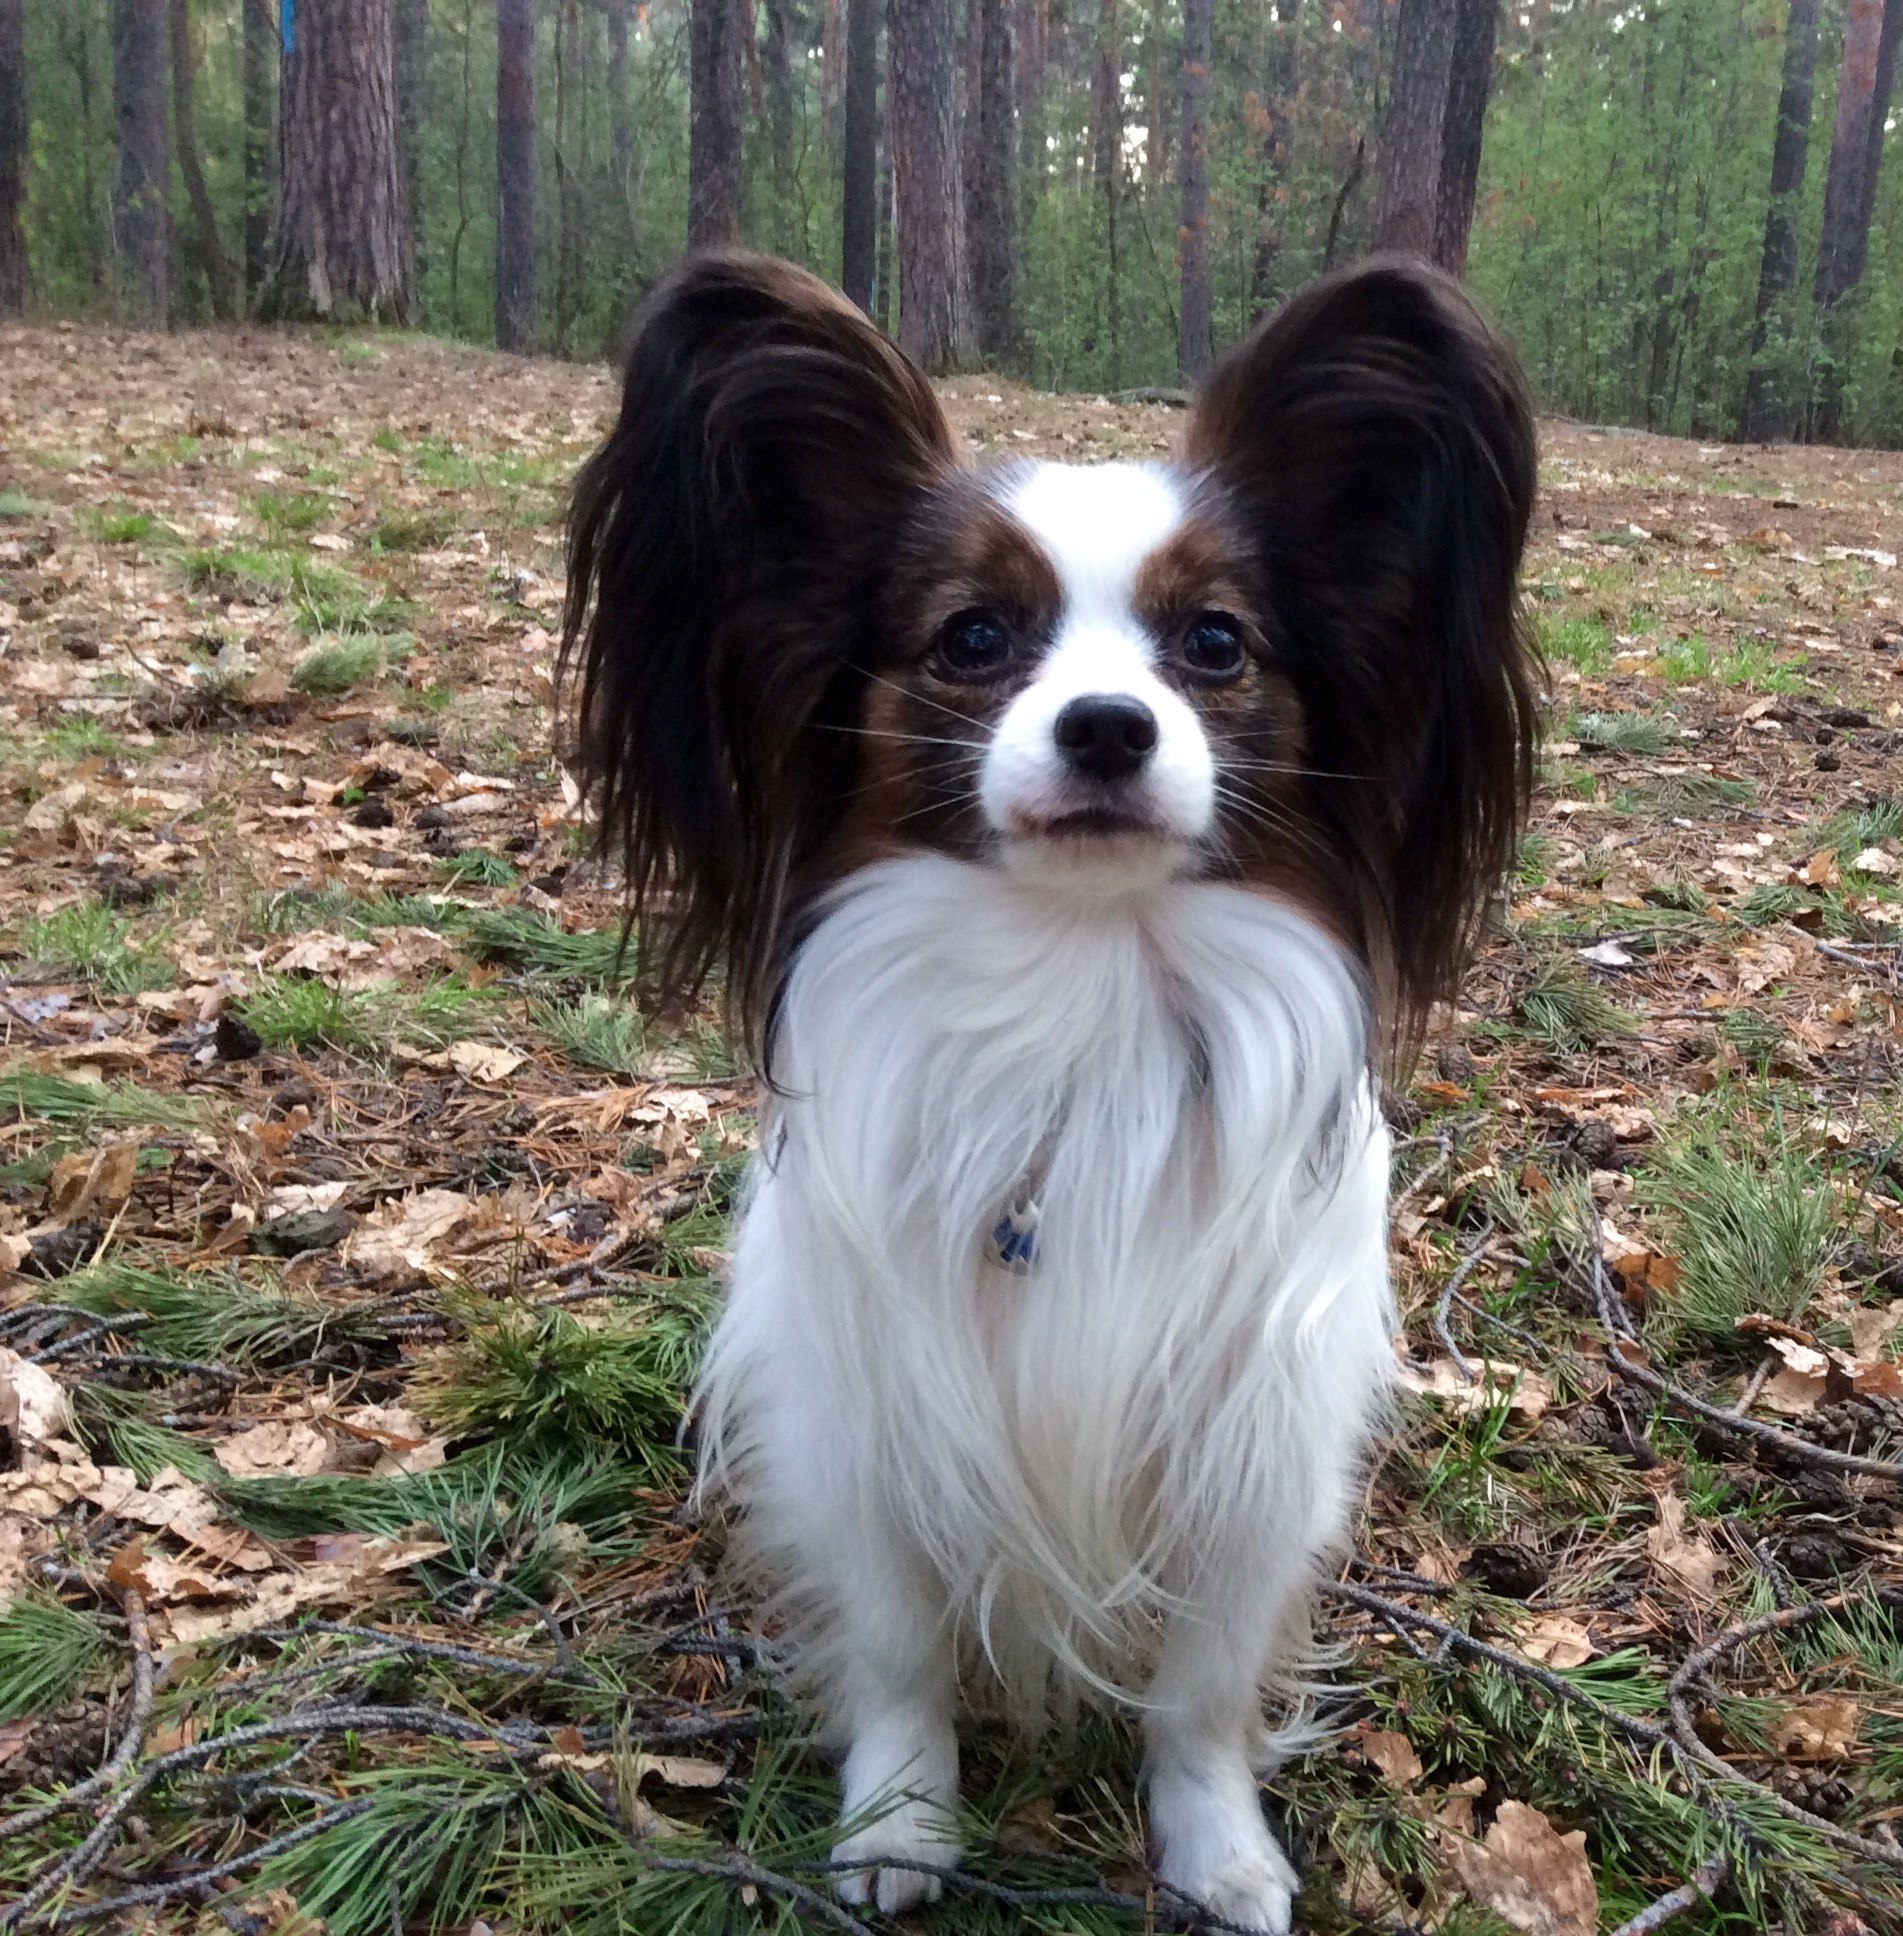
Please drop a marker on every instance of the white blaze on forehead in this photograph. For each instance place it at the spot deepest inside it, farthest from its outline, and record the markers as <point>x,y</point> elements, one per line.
<point>1098,522</point>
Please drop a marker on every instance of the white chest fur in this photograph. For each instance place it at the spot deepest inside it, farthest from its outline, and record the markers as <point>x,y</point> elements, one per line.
<point>1174,1397</point>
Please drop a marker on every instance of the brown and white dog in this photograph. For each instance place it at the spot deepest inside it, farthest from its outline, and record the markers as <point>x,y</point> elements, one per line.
<point>1071,839</point>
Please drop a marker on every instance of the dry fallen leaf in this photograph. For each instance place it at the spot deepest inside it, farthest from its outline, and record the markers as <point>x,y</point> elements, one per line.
<point>1528,1393</point>
<point>370,1570</point>
<point>1555,1641</point>
<point>484,1061</point>
<point>1529,1874</point>
<point>1688,1558</point>
<point>398,1237</point>
<point>91,1183</point>
<point>277,1446</point>
<point>1393,1754</point>
<point>1816,1730</point>
<point>33,1403</point>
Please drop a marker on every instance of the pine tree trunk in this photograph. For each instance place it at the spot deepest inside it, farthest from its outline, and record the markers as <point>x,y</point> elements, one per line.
<point>411,27</point>
<point>340,227</point>
<point>832,63</point>
<point>1278,118</point>
<point>1469,78</point>
<point>1195,348</point>
<point>934,306</point>
<point>1408,204</point>
<point>1106,141</point>
<point>205,243</point>
<point>14,277</point>
<point>515,174</point>
<point>1156,158</point>
<point>1765,413</point>
<point>1032,47</point>
<point>860,153</point>
<point>994,235</point>
<point>141,231</point>
<point>778,61</point>
<point>621,124</point>
<point>718,32</point>
<point>1863,91</point>
<point>260,143</point>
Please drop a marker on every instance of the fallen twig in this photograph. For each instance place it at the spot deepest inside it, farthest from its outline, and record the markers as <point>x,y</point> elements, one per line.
<point>1451,1290</point>
<point>1706,1881</point>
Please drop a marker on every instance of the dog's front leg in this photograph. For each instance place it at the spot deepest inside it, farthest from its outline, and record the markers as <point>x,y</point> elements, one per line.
<point>899,1782</point>
<point>1210,1840</point>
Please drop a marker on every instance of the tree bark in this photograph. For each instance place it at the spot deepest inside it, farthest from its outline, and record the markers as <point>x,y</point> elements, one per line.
<point>14,276</point>
<point>1856,146</point>
<point>1156,159</point>
<point>934,304</point>
<point>994,236</point>
<point>1032,50</point>
<point>1408,202</point>
<point>515,174</point>
<point>411,27</point>
<point>860,153</point>
<point>260,143</point>
<point>140,226</point>
<point>1470,75</point>
<point>1195,347</point>
<point>620,119</point>
<point>1765,407</point>
<point>340,226</point>
<point>718,31</point>
<point>1106,160</point>
<point>1278,118</point>
<point>205,243</point>
<point>778,61</point>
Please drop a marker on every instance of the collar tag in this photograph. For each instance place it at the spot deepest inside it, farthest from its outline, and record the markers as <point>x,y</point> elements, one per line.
<point>1013,1242</point>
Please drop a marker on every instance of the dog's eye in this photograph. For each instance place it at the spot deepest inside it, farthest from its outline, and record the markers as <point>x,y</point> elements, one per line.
<point>1212,646</point>
<point>971,646</point>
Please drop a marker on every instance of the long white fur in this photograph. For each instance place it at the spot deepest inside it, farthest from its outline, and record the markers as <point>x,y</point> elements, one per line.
<point>1116,1475</point>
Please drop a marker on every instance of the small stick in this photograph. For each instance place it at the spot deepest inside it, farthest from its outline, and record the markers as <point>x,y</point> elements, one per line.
<point>1451,1290</point>
<point>1706,1881</point>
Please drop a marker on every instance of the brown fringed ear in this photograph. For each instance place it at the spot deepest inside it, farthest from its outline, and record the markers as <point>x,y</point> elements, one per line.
<point>725,547</point>
<point>1376,438</point>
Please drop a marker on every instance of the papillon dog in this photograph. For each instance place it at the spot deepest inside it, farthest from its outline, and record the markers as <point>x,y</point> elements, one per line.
<point>1074,844</point>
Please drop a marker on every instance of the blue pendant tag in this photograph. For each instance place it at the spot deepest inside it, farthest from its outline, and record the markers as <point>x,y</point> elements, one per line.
<point>1013,1245</point>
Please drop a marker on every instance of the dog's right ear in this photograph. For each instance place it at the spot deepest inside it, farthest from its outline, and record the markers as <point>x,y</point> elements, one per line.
<point>724,551</point>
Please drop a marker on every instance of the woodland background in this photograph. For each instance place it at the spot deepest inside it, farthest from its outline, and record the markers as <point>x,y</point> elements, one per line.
<point>1624,224</point>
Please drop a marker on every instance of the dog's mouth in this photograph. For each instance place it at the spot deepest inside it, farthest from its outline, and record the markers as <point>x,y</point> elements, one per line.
<point>1095,823</point>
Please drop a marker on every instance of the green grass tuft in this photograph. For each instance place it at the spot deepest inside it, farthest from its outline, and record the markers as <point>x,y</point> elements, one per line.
<point>543,1375</point>
<point>337,665</point>
<point>1750,1224</point>
<point>1568,1012</point>
<point>91,942</point>
<point>475,867</point>
<point>597,1031</point>
<point>413,530</point>
<point>14,503</point>
<point>1576,642</point>
<point>62,1100</point>
<point>291,512</point>
<point>1640,733</point>
<point>45,1651</point>
<point>534,941</point>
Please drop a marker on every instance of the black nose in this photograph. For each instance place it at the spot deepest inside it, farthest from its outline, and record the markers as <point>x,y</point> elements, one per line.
<point>1106,735</point>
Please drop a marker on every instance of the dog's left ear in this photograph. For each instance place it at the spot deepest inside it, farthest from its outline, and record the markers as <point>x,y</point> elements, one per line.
<point>1376,439</point>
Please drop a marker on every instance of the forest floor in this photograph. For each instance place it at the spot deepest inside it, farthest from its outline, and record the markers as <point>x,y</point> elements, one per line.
<point>355,1238</point>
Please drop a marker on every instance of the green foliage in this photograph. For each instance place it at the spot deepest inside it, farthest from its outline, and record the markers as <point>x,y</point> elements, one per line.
<point>337,665</point>
<point>91,942</point>
<point>413,530</point>
<point>1568,1012</point>
<point>289,515</point>
<point>214,1316</point>
<point>1750,1219</point>
<point>598,1031</point>
<point>1575,642</point>
<point>296,1012</point>
<point>122,527</point>
<point>1642,733</point>
<point>476,867</point>
<point>1851,832</point>
<point>542,1374</point>
<point>534,941</point>
<point>46,1649</point>
<point>61,1100</point>
<point>15,503</point>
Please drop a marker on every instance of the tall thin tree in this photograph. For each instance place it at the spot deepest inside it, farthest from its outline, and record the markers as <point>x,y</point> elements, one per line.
<point>1278,121</point>
<point>934,303</point>
<point>14,274</point>
<point>718,34</point>
<point>340,225</point>
<point>515,174</point>
<point>620,113</point>
<point>860,153</point>
<point>1106,166</point>
<point>1470,75</point>
<point>410,25</point>
<point>1195,345</point>
<point>141,231</point>
<point>1766,407</point>
<point>212,262</point>
<point>1856,147</point>
<point>1408,200</point>
<point>260,142</point>
<point>994,205</point>
<point>776,58</point>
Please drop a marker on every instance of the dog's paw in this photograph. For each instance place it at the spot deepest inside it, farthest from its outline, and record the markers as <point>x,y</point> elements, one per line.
<point>1213,1846</point>
<point>915,1832</point>
<point>1250,1893</point>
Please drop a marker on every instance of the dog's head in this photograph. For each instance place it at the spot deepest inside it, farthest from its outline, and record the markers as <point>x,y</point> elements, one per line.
<point>809,635</point>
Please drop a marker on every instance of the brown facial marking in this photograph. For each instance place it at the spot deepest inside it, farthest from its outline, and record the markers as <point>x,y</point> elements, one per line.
<point>921,735</point>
